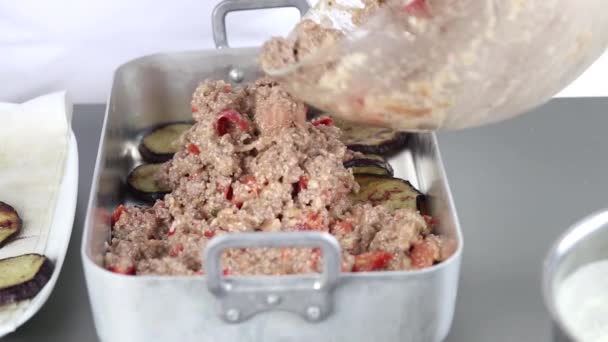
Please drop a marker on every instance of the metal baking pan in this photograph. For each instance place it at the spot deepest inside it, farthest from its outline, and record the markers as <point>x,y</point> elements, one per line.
<point>333,306</point>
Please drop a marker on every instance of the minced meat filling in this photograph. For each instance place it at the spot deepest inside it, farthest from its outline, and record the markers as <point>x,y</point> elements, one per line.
<point>251,163</point>
<point>308,37</point>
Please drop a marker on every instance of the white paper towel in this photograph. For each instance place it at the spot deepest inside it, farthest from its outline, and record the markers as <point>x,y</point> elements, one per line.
<point>33,150</point>
<point>34,139</point>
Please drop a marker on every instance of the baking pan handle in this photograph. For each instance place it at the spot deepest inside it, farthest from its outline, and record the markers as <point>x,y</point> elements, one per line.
<point>218,19</point>
<point>243,297</point>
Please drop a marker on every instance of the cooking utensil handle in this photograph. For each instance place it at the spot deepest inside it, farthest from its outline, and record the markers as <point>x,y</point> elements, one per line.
<point>218,19</point>
<point>243,297</point>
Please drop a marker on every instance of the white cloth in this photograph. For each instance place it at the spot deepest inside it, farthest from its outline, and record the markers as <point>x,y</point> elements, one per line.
<point>76,45</point>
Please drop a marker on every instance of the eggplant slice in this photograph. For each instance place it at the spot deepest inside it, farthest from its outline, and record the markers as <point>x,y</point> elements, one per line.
<point>393,193</point>
<point>374,140</point>
<point>369,166</point>
<point>22,277</point>
<point>10,222</point>
<point>143,185</point>
<point>374,157</point>
<point>162,142</point>
<point>365,139</point>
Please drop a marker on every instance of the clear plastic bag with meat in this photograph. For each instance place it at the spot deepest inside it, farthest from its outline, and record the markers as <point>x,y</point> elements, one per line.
<point>437,64</point>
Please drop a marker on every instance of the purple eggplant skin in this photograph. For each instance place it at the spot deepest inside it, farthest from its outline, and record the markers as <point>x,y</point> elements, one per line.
<point>141,183</point>
<point>10,223</point>
<point>358,164</point>
<point>371,140</point>
<point>365,139</point>
<point>393,193</point>
<point>386,148</point>
<point>146,197</point>
<point>148,153</point>
<point>153,157</point>
<point>29,288</point>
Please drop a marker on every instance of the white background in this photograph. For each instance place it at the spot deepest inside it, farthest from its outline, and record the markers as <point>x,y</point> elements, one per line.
<point>76,45</point>
<point>594,82</point>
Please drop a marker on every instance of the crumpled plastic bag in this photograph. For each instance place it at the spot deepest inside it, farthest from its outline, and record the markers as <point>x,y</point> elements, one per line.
<point>446,64</point>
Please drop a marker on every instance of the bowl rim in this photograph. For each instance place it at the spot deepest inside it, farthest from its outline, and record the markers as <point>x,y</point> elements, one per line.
<point>564,244</point>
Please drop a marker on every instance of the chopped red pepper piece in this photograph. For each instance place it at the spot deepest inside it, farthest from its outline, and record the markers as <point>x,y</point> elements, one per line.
<point>312,221</point>
<point>323,122</point>
<point>117,213</point>
<point>431,221</point>
<point>303,183</point>
<point>372,261</point>
<point>418,8</point>
<point>342,227</point>
<point>228,192</point>
<point>315,221</point>
<point>252,187</point>
<point>237,203</point>
<point>194,149</point>
<point>194,109</point>
<point>423,254</point>
<point>229,196</point>
<point>176,250</point>
<point>247,179</point>
<point>251,183</point>
<point>126,271</point>
<point>221,126</point>
<point>227,117</point>
<point>226,272</point>
<point>209,234</point>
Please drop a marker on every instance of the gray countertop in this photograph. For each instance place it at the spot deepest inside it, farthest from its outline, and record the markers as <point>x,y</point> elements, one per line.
<point>517,185</point>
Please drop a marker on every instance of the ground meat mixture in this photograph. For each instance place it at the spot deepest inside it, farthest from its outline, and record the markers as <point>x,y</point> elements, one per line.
<point>251,163</point>
<point>307,37</point>
<point>360,15</point>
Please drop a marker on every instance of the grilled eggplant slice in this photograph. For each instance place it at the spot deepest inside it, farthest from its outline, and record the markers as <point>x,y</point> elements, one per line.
<point>143,185</point>
<point>22,277</point>
<point>10,222</point>
<point>374,157</point>
<point>365,139</point>
<point>369,166</point>
<point>161,143</point>
<point>374,140</point>
<point>393,193</point>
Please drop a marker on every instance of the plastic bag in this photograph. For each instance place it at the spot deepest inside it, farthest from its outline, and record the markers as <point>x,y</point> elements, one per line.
<point>446,64</point>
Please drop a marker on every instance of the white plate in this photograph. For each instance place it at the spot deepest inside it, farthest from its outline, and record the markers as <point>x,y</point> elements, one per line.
<point>58,239</point>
